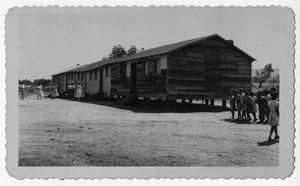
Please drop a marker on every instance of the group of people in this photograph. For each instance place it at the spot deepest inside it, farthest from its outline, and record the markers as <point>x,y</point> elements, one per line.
<point>245,103</point>
<point>75,91</point>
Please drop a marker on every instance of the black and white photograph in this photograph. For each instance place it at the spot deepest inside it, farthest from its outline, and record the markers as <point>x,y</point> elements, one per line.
<point>154,87</point>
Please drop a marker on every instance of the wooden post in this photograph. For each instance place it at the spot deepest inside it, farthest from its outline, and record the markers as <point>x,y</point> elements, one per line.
<point>224,103</point>
<point>206,101</point>
<point>183,101</point>
<point>167,104</point>
<point>118,98</point>
<point>190,101</point>
<point>212,103</point>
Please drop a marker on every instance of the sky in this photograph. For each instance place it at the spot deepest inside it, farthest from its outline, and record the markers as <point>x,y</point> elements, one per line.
<point>52,39</point>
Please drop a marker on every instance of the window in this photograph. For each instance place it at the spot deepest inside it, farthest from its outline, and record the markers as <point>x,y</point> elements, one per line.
<point>122,72</point>
<point>143,68</point>
<point>139,68</point>
<point>146,68</point>
<point>96,73</point>
<point>106,72</point>
<point>158,65</point>
<point>113,71</point>
<point>91,74</point>
<point>117,70</point>
<point>163,63</point>
<point>128,65</point>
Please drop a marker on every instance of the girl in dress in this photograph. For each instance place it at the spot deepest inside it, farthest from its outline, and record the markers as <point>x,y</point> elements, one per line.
<point>243,106</point>
<point>78,92</point>
<point>261,102</point>
<point>82,92</point>
<point>249,106</point>
<point>54,93</point>
<point>273,115</point>
<point>267,109</point>
<point>253,101</point>
<point>40,93</point>
<point>232,103</point>
<point>22,90</point>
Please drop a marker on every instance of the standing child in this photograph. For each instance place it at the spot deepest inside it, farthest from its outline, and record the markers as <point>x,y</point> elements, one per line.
<point>82,92</point>
<point>232,104</point>
<point>238,105</point>
<point>273,115</point>
<point>40,93</point>
<point>78,92</point>
<point>261,102</point>
<point>22,90</point>
<point>54,93</point>
<point>253,101</point>
<point>249,106</point>
<point>243,106</point>
<point>267,109</point>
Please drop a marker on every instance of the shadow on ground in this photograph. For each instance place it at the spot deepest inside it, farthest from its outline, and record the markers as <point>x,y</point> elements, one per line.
<point>267,143</point>
<point>156,106</point>
<point>236,121</point>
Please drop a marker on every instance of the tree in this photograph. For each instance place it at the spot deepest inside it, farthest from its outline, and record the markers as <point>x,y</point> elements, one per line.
<point>264,74</point>
<point>26,82</point>
<point>44,82</point>
<point>132,50</point>
<point>117,51</point>
<point>142,50</point>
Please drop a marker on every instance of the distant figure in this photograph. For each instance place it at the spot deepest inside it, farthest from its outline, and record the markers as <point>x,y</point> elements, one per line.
<point>262,104</point>
<point>232,103</point>
<point>40,93</point>
<point>72,90</point>
<point>54,93</point>
<point>78,93</point>
<point>69,90</point>
<point>22,90</point>
<point>254,107</point>
<point>243,106</point>
<point>249,107</point>
<point>82,93</point>
<point>274,115</point>
<point>267,109</point>
<point>75,90</point>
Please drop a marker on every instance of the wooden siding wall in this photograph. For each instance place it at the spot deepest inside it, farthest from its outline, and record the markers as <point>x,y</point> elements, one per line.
<point>92,86</point>
<point>211,68</point>
<point>120,85</point>
<point>150,85</point>
<point>106,82</point>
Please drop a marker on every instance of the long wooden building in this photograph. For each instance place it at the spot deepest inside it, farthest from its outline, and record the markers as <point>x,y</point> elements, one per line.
<point>201,68</point>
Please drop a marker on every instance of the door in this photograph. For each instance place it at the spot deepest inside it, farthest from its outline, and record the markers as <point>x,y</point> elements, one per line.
<point>133,78</point>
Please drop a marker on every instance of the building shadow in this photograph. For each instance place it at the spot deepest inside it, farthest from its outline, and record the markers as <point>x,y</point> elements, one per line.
<point>267,143</point>
<point>156,106</point>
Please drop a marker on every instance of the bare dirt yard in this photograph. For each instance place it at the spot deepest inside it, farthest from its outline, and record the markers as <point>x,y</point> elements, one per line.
<point>103,133</point>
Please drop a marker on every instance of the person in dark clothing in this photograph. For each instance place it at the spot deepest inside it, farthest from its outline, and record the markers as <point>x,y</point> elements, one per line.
<point>262,103</point>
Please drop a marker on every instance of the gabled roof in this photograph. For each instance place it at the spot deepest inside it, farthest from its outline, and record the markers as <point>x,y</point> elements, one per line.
<point>153,52</point>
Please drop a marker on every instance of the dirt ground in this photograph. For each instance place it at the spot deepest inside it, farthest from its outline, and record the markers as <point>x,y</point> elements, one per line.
<point>103,133</point>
